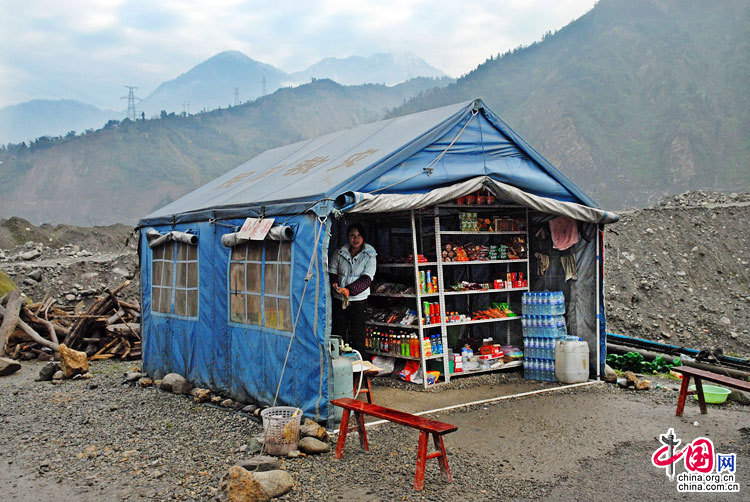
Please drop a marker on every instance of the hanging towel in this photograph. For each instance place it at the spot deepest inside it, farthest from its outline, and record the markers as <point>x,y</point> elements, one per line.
<point>542,263</point>
<point>569,265</point>
<point>564,232</point>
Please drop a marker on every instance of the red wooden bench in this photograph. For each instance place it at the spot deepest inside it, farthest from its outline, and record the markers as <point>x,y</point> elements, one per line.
<point>699,375</point>
<point>424,425</point>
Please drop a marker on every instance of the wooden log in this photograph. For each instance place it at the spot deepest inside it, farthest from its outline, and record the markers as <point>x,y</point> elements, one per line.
<point>117,316</point>
<point>47,324</point>
<point>132,306</point>
<point>10,317</point>
<point>99,307</point>
<point>123,329</point>
<point>33,334</point>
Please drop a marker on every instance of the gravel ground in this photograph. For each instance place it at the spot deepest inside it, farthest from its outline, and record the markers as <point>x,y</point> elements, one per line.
<point>102,440</point>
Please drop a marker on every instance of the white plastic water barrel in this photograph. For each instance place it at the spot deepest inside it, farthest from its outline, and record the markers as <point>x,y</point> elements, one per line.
<point>572,361</point>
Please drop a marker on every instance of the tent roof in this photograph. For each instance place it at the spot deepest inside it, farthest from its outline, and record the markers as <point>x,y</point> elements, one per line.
<point>412,153</point>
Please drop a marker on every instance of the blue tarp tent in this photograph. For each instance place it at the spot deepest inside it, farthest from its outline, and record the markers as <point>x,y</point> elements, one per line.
<point>189,323</point>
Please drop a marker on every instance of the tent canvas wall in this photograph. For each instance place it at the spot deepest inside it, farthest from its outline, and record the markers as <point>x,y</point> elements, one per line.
<point>190,321</point>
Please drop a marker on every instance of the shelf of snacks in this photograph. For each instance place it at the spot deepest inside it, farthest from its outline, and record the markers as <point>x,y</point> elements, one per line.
<point>407,265</point>
<point>480,291</point>
<point>399,356</point>
<point>504,366</point>
<point>392,325</point>
<point>403,295</point>
<point>480,232</point>
<point>483,262</point>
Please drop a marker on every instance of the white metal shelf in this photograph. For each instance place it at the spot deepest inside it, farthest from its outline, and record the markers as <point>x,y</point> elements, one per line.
<point>401,326</point>
<point>399,356</point>
<point>480,291</point>
<point>466,232</point>
<point>406,265</point>
<point>506,366</point>
<point>403,295</point>
<point>483,262</point>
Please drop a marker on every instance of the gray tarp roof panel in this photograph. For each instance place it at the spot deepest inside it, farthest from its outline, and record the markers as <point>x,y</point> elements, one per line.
<point>369,157</point>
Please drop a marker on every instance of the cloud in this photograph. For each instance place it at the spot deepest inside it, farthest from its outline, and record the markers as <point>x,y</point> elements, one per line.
<point>97,46</point>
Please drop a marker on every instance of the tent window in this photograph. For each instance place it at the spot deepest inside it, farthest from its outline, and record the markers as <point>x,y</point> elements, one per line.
<point>175,279</point>
<point>259,284</point>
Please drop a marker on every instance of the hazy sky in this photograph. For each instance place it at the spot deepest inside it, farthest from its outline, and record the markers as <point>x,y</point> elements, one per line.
<point>89,49</point>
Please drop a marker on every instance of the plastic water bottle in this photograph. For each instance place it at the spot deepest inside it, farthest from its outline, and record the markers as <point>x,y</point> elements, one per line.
<point>525,303</point>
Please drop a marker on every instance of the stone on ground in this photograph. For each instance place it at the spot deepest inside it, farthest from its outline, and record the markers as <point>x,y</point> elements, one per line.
<point>314,430</point>
<point>72,362</point>
<point>176,383</point>
<point>260,463</point>
<point>313,446</point>
<point>239,485</point>
<point>609,374</point>
<point>49,369</point>
<point>8,366</point>
<point>739,397</point>
<point>201,395</point>
<point>145,382</point>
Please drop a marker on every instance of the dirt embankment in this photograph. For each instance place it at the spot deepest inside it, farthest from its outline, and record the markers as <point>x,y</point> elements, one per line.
<point>678,272</point>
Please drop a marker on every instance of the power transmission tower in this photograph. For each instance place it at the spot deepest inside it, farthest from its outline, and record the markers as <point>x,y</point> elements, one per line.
<point>236,96</point>
<point>131,97</point>
<point>264,85</point>
<point>186,107</point>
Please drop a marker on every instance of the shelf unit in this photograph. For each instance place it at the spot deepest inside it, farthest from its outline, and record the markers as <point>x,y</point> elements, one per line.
<point>415,220</point>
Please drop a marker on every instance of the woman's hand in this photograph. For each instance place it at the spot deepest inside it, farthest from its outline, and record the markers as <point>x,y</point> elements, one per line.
<point>335,286</point>
<point>344,291</point>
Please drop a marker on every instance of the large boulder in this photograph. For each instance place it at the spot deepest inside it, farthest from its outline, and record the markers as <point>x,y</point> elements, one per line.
<point>72,362</point>
<point>176,383</point>
<point>8,366</point>
<point>239,485</point>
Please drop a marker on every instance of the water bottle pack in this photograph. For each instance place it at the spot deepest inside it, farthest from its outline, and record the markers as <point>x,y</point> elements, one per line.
<point>543,325</point>
<point>539,369</point>
<point>543,303</point>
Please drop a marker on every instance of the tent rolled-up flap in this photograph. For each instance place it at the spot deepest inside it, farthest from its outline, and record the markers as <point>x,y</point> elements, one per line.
<point>277,233</point>
<point>156,238</point>
<point>358,202</point>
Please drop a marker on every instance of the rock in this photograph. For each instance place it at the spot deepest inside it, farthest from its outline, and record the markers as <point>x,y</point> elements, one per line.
<point>261,463</point>
<point>8,366</point>
<point>70,297</point>
<point>240,485</point>
<point>72,362</point>
<point>725,321</point>
<point>49,369</point>
<point>312,429</point>
<point>250,408</point>
<point>30,255</point>
<point>58,375</point>
<point>253,446</point>
<point>145,382</point>
<point>313,446</point>
<point>643,385</point>
<point>36,275</point>
<point>29,281</point>
<point>739,397</point>
<point>294,454</point>
<point>216,400</point>
<point>631,378</point>
<point>609,374</point>
<point>227,403</point>
<point>201,395</point>
<point>176,383</point>
<point>132,376</point>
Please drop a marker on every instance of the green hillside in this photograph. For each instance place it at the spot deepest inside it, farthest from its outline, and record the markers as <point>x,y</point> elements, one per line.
<point>125,170</point>
<point>636,99</point>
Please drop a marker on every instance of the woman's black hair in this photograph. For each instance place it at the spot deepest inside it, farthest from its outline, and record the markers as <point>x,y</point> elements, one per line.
<point>357,227</point>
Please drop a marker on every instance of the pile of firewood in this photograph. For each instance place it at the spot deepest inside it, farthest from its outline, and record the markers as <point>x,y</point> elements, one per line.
<point>108,328</point>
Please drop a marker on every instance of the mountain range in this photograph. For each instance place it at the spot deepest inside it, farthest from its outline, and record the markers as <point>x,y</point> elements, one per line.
<point>632,101</point>
<point>226,79</point>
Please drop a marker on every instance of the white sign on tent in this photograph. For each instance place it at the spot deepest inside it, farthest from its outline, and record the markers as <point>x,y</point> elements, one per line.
<point>255,229</point>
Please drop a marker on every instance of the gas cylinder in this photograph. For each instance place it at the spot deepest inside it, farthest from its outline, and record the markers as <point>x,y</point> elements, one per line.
<point>341,375</point>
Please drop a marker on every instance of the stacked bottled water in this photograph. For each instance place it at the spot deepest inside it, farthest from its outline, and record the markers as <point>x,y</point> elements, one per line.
<point>543,325</point>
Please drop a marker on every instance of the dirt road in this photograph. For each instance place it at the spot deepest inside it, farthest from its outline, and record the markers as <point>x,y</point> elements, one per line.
<point>102,440</point>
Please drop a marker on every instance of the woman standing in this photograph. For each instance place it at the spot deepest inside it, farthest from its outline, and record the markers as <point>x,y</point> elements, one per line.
<point>352,269</point>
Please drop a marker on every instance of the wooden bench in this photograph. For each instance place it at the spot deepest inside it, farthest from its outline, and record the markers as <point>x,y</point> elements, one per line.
<point>700,375</point>
<point>424,425</point>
